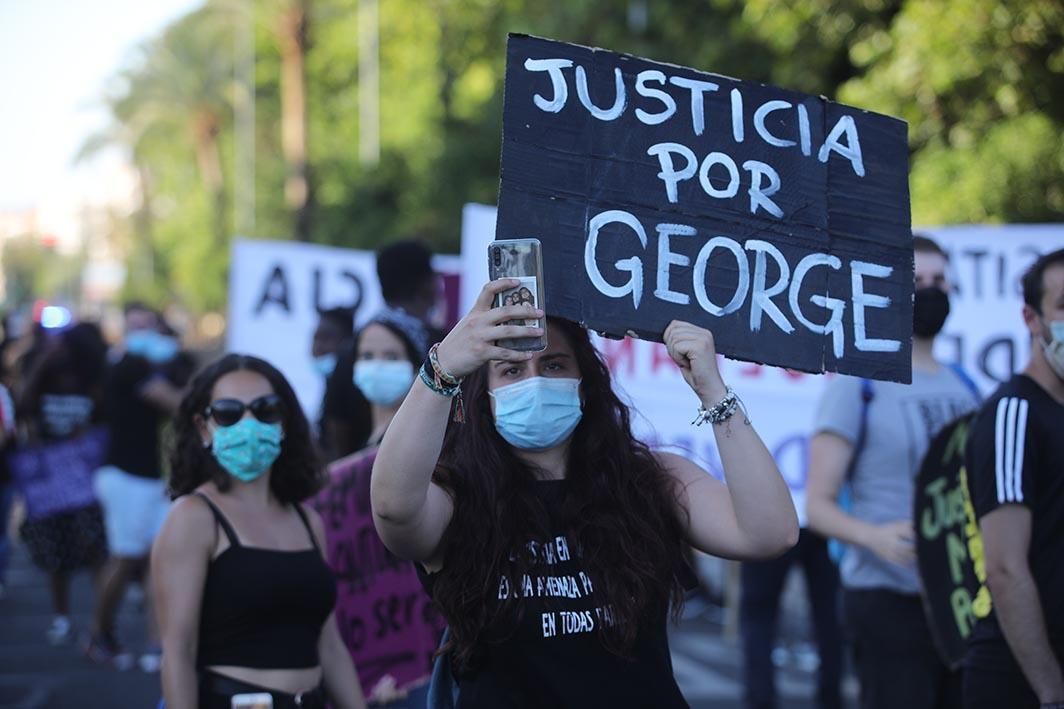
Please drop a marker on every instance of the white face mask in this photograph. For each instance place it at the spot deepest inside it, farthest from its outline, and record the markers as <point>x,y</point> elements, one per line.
<point>1054,349</point>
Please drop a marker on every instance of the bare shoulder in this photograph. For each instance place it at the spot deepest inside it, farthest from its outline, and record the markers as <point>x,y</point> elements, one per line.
<point>189,524</point>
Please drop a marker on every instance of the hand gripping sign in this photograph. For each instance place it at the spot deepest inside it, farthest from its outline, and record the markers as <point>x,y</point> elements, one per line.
<point>778,220</point>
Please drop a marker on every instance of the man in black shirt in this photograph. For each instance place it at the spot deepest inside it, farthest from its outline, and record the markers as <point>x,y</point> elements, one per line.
<point>1015,462</point>
<point>139,396</point>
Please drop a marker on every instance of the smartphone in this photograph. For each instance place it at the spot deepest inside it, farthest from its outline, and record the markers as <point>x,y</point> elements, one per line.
<point>261,700</point>
<point>521,259</point>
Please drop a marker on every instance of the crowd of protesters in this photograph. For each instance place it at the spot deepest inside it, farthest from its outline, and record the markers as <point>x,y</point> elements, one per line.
<point>491,511</point>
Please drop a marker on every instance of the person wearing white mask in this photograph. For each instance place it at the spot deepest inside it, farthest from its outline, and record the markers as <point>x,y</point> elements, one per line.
<point>386,361</point>
<point>553,541</point>
<point>393,665</point>
<point>1015,464</point>
<point>140,395</point>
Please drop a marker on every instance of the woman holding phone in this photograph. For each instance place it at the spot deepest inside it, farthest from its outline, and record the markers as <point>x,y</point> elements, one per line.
<point>553,541</point>
<point>244,595</point>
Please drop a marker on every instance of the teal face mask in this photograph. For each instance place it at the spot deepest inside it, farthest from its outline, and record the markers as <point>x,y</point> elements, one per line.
<point>324,365</point>
<point>383,382</point>
<point>248,448</point>
<point>152,346</point>
<point>537,413</point>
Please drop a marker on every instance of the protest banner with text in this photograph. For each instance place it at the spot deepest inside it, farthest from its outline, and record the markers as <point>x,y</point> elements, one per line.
<point>776,219</point>
<point>278,288</point>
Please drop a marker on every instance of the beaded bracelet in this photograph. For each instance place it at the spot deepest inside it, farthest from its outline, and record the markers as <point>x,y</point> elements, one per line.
<point>721,411</point>
<point>451,392</point>
<point>442,374</point>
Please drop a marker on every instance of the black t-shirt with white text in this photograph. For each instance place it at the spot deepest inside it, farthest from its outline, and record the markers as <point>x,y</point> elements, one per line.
<point>555,657</point>
<point>1015,456</point>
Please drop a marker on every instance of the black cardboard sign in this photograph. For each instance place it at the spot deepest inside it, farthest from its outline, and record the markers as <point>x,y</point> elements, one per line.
<point>779,221</point>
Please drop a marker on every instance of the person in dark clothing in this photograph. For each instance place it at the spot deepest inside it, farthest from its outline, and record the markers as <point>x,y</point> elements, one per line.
<point>1015,464</point>
<point>553,541</point>
<point>139,397</point>
<point>244,595</point>
<point>759,606</point>
<point>331,340</point>
<point>411,291</point>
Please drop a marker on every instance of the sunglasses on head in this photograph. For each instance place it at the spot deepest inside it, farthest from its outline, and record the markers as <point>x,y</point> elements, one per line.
<point>226,412</point>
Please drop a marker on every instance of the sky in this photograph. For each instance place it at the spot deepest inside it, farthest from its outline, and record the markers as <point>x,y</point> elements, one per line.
<point>56,57</point>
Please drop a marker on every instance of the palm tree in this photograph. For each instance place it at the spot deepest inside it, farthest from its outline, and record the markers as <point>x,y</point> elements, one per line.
<point>182,84</point>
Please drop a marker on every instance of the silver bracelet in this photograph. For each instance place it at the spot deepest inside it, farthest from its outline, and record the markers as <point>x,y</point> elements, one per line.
<point>721,411</point>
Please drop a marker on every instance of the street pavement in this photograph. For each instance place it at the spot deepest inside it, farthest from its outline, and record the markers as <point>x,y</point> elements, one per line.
<point>37,675</point>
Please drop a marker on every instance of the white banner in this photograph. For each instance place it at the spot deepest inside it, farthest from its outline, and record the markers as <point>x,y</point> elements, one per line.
<point>276,289</point>
<point>985,333</point>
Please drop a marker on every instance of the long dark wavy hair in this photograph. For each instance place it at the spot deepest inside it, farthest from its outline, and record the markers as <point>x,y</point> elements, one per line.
<point>295,476</point>
<point>619,511</point>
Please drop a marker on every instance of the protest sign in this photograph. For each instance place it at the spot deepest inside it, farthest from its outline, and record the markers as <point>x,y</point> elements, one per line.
<point>56,477</point>
<point>277,289</point>
<point>778,220</point>
<point>949,547</point>
<point>385,618</point>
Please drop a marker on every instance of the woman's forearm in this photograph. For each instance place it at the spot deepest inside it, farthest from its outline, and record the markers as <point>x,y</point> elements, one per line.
<point>408,455</point>
<point>180,684</point>
<point>338,671</point>
<point>763,507</point>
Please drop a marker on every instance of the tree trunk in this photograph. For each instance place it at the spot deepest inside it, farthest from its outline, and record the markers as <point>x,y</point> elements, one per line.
<point>292,35</point>
<point>209,160</point>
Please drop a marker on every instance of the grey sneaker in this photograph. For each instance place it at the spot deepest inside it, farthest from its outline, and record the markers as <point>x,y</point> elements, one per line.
<point>60,632</point>
<point>150,661</point>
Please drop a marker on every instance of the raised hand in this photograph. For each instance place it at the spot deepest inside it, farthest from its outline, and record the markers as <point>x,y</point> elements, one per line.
<point>692,349</point>
<point>472,341</point>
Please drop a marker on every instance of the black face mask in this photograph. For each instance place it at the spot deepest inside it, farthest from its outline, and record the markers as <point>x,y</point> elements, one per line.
<point>930,310</point>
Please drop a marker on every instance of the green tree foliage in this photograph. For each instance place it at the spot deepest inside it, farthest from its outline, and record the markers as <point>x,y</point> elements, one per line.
<point>981,83</point>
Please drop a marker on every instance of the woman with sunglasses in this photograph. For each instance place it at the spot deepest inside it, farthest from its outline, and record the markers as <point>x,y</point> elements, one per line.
<point>553,541</point>
<point>244,595</point>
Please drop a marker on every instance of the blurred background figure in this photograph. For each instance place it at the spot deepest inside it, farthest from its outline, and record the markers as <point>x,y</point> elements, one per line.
<point>762,587</point>
<point>7,487</point>
<point>393,669</point>
<point>58,402</point>
<point>143,390</point>
<point>332,337</point>
<point>411,291</point>
<point>872,437</point>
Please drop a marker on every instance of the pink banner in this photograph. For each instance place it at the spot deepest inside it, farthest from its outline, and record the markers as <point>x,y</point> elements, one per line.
<point>387,621</point>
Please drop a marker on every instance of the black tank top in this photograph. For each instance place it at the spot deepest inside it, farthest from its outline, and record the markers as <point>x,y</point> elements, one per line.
<point>264,608</point>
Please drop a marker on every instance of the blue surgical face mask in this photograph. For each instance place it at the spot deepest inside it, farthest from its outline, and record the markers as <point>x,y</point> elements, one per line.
<point>537,413</point>
<point>324,365</point>
<point>248,448</point>
<point>383,381</point>
<point>152,346</point>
